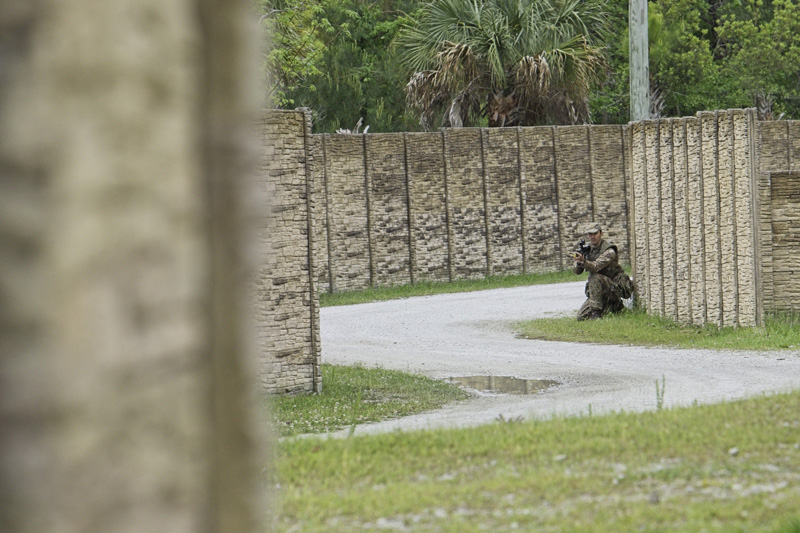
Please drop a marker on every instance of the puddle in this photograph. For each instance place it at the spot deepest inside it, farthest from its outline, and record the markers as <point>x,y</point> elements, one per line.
<point>503,384</point>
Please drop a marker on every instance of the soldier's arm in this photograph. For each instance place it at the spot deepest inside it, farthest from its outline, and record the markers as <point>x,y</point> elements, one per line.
<point>601,262</point>
<point>576,268</point>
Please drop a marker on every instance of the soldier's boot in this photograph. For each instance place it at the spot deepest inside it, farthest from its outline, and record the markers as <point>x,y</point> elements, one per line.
<point>592,314</point>
<point>616,306</point>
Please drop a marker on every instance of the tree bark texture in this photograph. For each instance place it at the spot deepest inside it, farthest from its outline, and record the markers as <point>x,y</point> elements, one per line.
<point>126,198</point>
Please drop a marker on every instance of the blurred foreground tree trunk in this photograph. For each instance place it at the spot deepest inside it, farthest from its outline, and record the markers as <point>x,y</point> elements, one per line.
<point>125,201</point>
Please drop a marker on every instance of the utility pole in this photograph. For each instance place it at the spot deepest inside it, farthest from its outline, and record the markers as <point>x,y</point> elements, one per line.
<point>639,60</point>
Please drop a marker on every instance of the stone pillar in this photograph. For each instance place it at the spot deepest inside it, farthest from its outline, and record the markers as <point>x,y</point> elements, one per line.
<point>124,323</point>
<point>287,302</point>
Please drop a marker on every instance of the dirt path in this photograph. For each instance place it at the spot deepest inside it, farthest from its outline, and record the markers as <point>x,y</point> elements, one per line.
<point>469,334</point>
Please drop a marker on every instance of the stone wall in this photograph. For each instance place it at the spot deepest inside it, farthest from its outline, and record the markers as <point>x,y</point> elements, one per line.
<point>711,237</point>
<point>346,213</point>
<point>714,206</point>
<point>466,213</point>
<point>287,302</point>
<point>694,223</point>
<point>388,204</point>
<point>782,273</point>
<point>463,203</point>
<point>779,204</point>
<point>427,209</point>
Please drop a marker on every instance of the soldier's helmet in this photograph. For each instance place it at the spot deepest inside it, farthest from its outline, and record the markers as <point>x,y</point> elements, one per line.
<point>594,227</point>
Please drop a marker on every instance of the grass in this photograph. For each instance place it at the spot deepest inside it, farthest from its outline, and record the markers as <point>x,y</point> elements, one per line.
<point>725,467</point>
<point>781,331</point>
<point>357,395</point>
<point>427,288</point>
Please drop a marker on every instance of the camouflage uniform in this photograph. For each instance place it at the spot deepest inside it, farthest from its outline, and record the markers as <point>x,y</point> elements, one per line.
<point>602,295</point>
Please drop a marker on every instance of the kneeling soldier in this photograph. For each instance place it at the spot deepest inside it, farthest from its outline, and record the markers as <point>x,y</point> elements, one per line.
<point>607,283</point>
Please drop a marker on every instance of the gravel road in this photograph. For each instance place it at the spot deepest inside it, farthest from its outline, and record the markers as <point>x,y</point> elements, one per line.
<point>469,334</point>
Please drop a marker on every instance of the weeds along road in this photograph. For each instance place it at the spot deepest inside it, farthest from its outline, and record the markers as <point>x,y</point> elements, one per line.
<point>469,334</point>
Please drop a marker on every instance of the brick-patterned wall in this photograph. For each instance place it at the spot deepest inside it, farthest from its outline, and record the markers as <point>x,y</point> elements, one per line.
<point>288,305</point>
<point>348,221</point>
<point>467,209</point>
<point>427,211</point>
<point>464,203</point>
<point>609,186</point>
<point>701,201</point>
<point>319,207</point>
<point>540,195</point>
<point>573,179</point>
<point>388,205</point>
<point>707,204</point>
<point>778,185</point>
<point>785,201</point>
<point>503,203</point>
<point>696,236</point>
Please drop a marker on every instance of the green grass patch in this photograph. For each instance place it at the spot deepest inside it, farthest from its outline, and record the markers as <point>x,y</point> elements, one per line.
<point>356,395</point>
<point>725,467</point>
<point>781,331</point>
<point>428,288</point>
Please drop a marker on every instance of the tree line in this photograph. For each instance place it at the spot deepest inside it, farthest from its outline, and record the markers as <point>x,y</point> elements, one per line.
<point>408,65</point>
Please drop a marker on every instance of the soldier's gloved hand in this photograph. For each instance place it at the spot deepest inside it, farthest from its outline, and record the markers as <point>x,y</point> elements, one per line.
<point>579,258</point>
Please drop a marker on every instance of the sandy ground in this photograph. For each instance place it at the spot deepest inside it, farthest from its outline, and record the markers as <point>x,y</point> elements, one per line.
<point>470,334</point>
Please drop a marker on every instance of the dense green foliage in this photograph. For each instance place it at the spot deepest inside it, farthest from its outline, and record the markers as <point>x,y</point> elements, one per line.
<point>512,62</point>
<point>343,59</point>
<point>335,57</point>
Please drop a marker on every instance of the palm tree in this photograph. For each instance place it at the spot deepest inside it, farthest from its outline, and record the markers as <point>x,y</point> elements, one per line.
<point>516,62</point>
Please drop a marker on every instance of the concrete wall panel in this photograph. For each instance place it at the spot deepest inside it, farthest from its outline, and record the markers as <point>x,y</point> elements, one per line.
<point>503,202</point>
<point>427,192</point>
<point>466,198</point>
<point>655,250</point>
<point>793,144</point>
<point>543,252</point>
<point>388,209</point>
<point>316,169</point>
<point>785,189</point>
<point>347,213</point>
<point>683,288</point>
<point>639,196</point>
<point>609,196</point>
<point>711,207</point>
<point>666,172</point>
<point>728,227</point>
<point>773,146</point>
<point>750,300</point>
<point>696,221</point>
<point>575,198</point>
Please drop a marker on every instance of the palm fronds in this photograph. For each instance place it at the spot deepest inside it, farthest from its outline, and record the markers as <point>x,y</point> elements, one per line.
<point>527,61</point>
